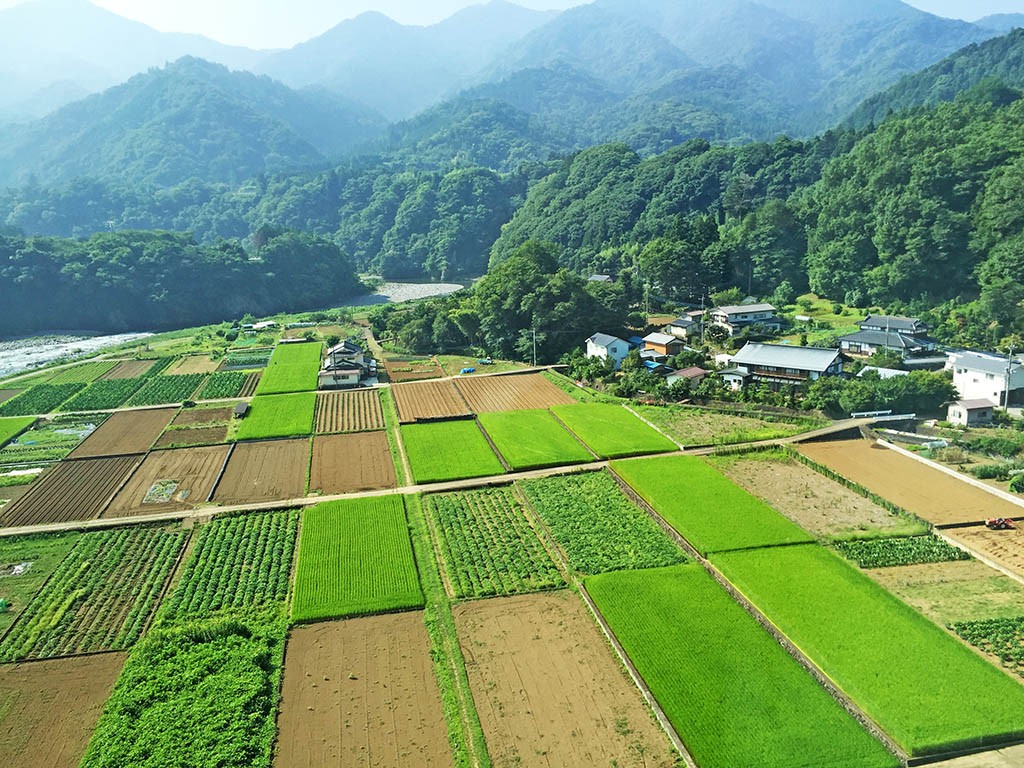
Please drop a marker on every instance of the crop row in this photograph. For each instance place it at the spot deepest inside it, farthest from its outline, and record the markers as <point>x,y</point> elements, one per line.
<point>99,597</point>
<point>1000,637</point>
<point>238,562</point>
<point>82,374</point>
<point>223,385</point>
<point>44,398</point>
<point>167,389</point>
<point>104,394</point>
<point>911,550</point>
<point>487,545</point>
<point>598,528</point>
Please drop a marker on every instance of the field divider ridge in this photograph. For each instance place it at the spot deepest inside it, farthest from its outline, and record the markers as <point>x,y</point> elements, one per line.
<point>504,463</point>
<point>575,437</point>
<point>655,428</point>
<point>123,484</point>
<point>220,475</point>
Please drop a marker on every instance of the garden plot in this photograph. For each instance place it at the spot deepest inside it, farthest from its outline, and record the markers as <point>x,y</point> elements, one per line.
<point>193,417</point>
<point>429,401</point>
<point>193,364</point>
<point>48,709</point>
<point>125,433</point>
<point>103,395</point>
<point>40,400</point>
<point>358,411</point>
<point>451,450</point>
<point>26,562</point>
<point>160,390</point>
<point>252,381</point>
<point>1004,547</point>
<point>518,392</point>
<point>170,481</point>
<point>130,369</point>
<point>82,374</point>
<point>50,440</point>
<point>278,416</point>
<point>355,462</point>
<point>72,490</point>
<point>184,438</point>
<point>272,470</point>
<point>916,487</point>
<point>533,439</point>
<point>399,369</point>
<point>611,431</point>
<point>548,689</point>
<point>696,426</point>
<point>223,385</point>
<point>361,692</point>
<point>7,394</point>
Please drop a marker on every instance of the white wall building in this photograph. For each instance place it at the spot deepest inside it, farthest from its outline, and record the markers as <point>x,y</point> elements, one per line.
<point>608,347</point>
<point>983,376</point>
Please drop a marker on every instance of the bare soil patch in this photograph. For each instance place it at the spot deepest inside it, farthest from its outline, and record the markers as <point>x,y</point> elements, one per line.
<point>399,369</point>
<point>361,693</point>
<point>193,364</point>
<point>820,506</point>
<point>180,438</point>
<point>358,411</point>
<point>7,394</point>
<point>1004,547</point>
<point>168,481</point>
<point>190,417</point>
<point>251,382</point>
<point>129,369</point>
<point>356,462</point>
<point>124,433</point>
<point>429,400</point>
<point>548,690</point>
<point>72,490</point>
<point>268,470</point>
<point>48,709</point>
<point>916,487</point>
<point>511,393</point>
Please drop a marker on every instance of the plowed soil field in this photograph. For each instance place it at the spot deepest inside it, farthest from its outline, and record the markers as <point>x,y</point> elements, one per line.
<point>190,417</point>
<point>926,492</point>
<point>429,400</point>
<point>48,709</point>
<point>511,393</point>
<point>193,364</point>
<point>7,394</point>
<point>1003,547</point>
<point>548,690</point>
<point>125,433</point>
<point>251,382</point>
<point>347,463</point>
<point>129,369</point>
<point>180,438</point>
<point>72,490</point>
<point>357,411</point>
<point>361,693</point>
<point>265,471</point>
<point>169,481</point>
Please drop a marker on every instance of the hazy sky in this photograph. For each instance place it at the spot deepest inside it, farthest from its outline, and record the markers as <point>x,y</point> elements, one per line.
<point>283,23</point>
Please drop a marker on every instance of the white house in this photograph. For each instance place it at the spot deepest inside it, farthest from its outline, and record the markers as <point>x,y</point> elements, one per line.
<point>984,376</point>
<point>969,413</point>
<point>736,318</point>
<point>778,364</point>
<point>608,347</point>
<point>687,326</point>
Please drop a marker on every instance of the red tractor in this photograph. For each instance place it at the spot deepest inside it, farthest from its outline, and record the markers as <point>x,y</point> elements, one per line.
<point>1000,523</point>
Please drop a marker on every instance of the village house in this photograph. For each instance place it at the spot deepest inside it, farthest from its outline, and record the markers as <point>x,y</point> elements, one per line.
<point>608,347</point>
<point>904,336</point>
<point>735,318</point>
<point>662,345</point>
<point>970,413</point>
<point>779,365</point>
<point>687,326</point>
<point>345,366</point>
<point>694,375</point>
<point>985,376</point>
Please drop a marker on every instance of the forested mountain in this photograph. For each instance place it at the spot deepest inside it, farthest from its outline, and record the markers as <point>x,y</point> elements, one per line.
<point>191,119</point>
<point>1001,22</point>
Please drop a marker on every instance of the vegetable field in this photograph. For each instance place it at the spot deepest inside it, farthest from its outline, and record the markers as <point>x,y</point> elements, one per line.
<point>82,374</point>
<point>104,394</point>
<point>448,450</point>
<point>99,597</point>
<point>10,428</point>
<point>695,426</point>
<point>912,550</point>
<point>533,439</point>
<point>1000,637</point>
<point>41,554</point>
<point>279,416</point>
<point>166,389</point>
<point>239,562</point>
<point>735,697</point>
<point>50,440</point>
<point>39,400</point>
<point>487,546</point>
<point>925,689</point>
<point>598,528</point>
<point>292,368</point>
<point>223,385</point>
<point>358,411</point>
<point>611,431</point>
<point>355,558</point>
<point>709,510</point>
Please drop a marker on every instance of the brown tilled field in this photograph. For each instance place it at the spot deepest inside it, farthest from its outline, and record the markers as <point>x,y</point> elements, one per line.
<point>412,369</point>
<point>361,693</point>
<point>1003,547</point>
<point>7,394</point>
<point>193,471</point>
<point>48,709</point>
<point>429,400</point>
<point>191,417</point>
<point>124,433</point>
<point>511,393</point>
<point>72,490</point>
<point>926,492</point>
<point>129,369</point>
<point>269,470</point>
<point>355,462</point>
<point>182,438</point>
<point>357,411</point>
<point>193,364</point>
<point>548,689</point>
<point>251,382</point>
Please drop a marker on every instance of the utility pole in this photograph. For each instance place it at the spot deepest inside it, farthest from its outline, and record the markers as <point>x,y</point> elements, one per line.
<point>1009,371</point>
<point>534,347</point>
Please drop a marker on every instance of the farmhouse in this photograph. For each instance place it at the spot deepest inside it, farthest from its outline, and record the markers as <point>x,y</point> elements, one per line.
<point>735,318</point>
<point>903,336</point>
<point>345,366</point>
<point>686,326</point>
<point>970,413</point>
<point>607,347</point>
<point>984,376</point>
<point>778,365</point>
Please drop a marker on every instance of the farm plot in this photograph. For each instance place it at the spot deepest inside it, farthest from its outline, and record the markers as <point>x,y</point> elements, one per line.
<point>292,368</point>
<point>358,411</point>
<point>487,546</point>
<point>916,487</point>
<point>100,596</point>
<point>10,428</point>
<point>705,507</point>
<point>1004,547</point>
<point>734,695</point>
<point>1002,638</point>
<point>103,394</point>
<point>169,481</point>
<point>347,463</point>
<point>191,417</point>
<point>72,490</point>
<point>125,433</point>
<point>597,527</point>
<point>48,709</point>
<point>451,450</point>
<point>405,369</point>
<point>50,440</point>
<point>252,381</point>
<point>611,431</point>
<point>264,471</point>
<point>278,416</point>
<point>25,563</point>
<point>7,394</point>
<point>908,550</point>
<point>361,692</point>
<point>429,401</point>
<point>240,359</point>
<point>548,690</point>
<point>355,558</point>
<point>161,390</point>
<point>223,386</point>
<point>82,374</point>
<point>193,364</point>
<point>814,502</point>
<point>533,439</point>
<point>518,392</point>
<point>696,426</point>
<point>39,400</point>
<point>242,561</point>
<point>202,694</point>
<point>927,691</point>
<point>184,438</point>
<point>130,369</point>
